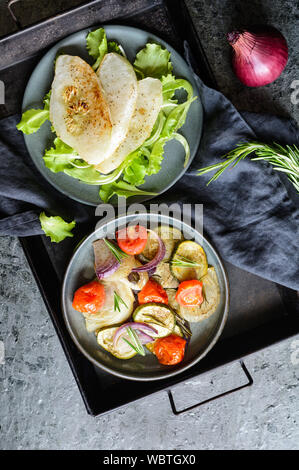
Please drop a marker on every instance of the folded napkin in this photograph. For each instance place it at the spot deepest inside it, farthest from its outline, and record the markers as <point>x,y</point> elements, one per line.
<point>249,212</point>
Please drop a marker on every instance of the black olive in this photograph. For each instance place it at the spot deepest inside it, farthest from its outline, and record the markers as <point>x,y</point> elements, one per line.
<point>134,277</point>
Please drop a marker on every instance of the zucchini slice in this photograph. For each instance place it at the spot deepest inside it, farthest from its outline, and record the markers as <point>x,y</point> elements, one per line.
<point>159,316</point>
<point>191,251</point>
<point>169,235</point>
<point>211,292</point>
<point>122,350</point>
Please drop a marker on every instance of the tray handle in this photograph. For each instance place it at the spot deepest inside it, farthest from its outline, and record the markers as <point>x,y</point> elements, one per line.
<point>178,412</point>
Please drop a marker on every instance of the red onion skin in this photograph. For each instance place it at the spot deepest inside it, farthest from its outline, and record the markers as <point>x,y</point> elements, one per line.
<point>259,55</point>
<point>143,327</point>
<point>151,265</point>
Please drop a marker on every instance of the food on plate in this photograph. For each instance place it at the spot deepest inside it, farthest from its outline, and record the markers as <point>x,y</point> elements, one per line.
<point>210,294</point>
<point>170,350</point>
<point>132,240</point>
<point>79,111</point>
<point>152,292</point>
<point>118,306</point>
<point>119,84</point>
<point>111,120</point>
<point>128,305</point>
<point>188,261</point>
<point>89,298</point>
<point>189,293</point>
<point>148,106</point>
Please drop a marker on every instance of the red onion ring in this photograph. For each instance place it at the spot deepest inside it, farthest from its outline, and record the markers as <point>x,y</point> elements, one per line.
<point>139,326</point>
<point>105,262</point>
<point>156,259</point>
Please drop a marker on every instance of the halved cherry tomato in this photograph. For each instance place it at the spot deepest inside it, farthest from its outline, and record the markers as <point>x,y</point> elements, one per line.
<point>152,292</point>
<point>189,293</point>
<point>170,350</point>
<point>132,240</point>
<point>89,298</point>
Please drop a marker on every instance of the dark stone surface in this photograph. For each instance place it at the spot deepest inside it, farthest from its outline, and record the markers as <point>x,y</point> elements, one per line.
<point>213,20</point>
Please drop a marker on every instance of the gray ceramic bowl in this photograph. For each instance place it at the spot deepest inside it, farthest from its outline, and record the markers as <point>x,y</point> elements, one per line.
<point>204,334</point>
<point>132,39</point>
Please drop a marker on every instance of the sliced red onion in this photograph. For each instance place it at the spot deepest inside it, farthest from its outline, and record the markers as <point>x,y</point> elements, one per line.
<point>144,338</point>
<point>104,261</point>
<point>141,328</point>
<point>151,271</point>
<point>156,259</point>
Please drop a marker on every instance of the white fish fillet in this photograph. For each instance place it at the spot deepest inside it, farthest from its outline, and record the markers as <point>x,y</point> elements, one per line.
<point>119,84</point>
<point>79,112</point>
<point>149,102</point>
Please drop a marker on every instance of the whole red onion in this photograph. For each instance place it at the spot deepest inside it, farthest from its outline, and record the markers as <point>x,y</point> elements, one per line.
<point>259,55</point>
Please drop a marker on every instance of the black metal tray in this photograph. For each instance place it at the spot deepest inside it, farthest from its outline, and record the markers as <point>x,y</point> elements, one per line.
<point>261,312</point>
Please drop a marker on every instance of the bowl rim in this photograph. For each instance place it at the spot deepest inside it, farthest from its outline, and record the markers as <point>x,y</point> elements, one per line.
<point>169,373</point>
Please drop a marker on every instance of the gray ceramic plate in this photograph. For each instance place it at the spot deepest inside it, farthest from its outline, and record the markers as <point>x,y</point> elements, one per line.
<point>132,40</point>
<point>204,334</point>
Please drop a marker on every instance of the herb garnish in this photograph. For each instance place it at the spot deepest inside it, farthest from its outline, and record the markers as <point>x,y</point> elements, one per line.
<point>117,252</point>
<point>137,346</point>
<point>118,300</point>
<point>183,262</point>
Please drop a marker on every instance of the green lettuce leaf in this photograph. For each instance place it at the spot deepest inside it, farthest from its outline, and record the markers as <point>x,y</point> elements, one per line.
<point>61,157</point>
<point>96,44</point>
<point>56,228</point>
<point>174,121</point>
<point>114,47</point>
<point>153,61</point>
<point>33,119</point>
<point>121,189</point>
<point>136,171</point>
<point>58,158</point>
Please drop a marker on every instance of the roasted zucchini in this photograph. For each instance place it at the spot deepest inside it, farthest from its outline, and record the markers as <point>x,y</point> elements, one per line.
<point>122,349</point>
<point>160,316</point>
<point>189,252</point>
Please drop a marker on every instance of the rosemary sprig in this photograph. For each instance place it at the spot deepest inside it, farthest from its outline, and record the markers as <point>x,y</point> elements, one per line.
<point>183,262</point>
<point>118,300</point>
<point>284,159</point>
<point>183,325</point>
<point>117,252</point>
<point>137,346</point>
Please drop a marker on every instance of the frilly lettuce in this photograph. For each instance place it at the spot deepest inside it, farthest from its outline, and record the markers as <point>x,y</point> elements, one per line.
<point>33,119</point>
<point>55,227</point>
<point>151,61</point>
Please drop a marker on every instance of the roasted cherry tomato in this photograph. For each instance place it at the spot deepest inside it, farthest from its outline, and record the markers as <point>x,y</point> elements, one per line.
<point>189,293</point>
<point>170,350</point>
<point>89,298</point>
<point>132,240</point>
<point>152,292</point>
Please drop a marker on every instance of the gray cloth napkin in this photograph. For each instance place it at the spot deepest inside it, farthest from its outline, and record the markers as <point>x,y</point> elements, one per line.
<point>249,213</point>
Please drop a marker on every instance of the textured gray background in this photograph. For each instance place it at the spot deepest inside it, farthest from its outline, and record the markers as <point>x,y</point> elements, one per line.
<point>41,407</point>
